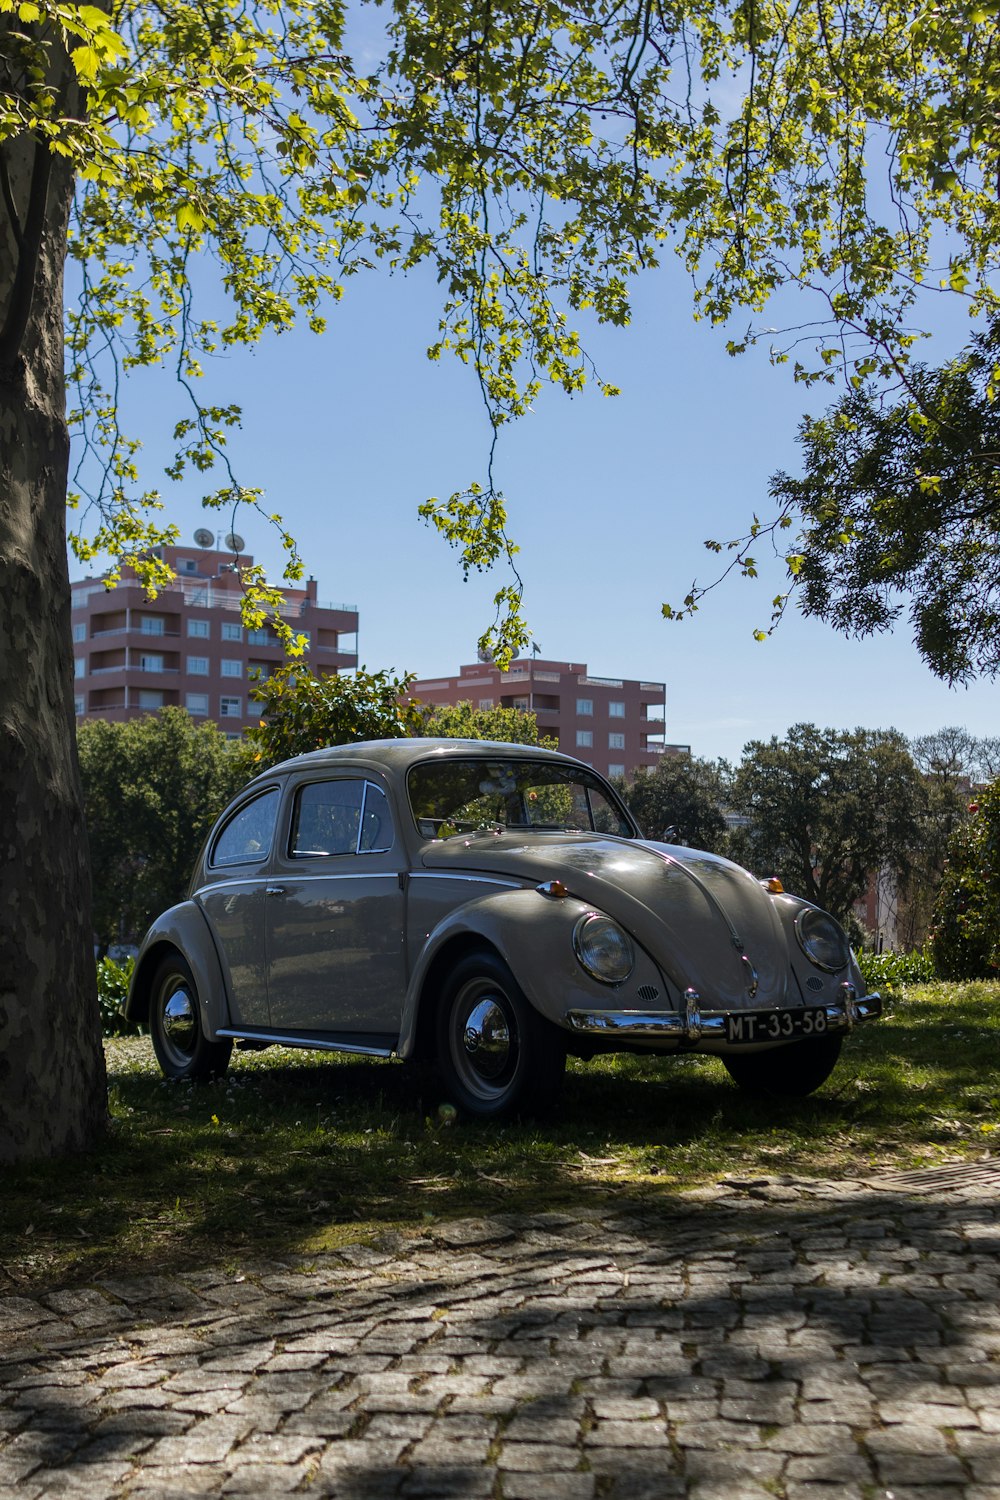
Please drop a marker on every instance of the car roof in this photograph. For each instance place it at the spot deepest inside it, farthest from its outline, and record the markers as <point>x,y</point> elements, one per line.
<point>396,756</point>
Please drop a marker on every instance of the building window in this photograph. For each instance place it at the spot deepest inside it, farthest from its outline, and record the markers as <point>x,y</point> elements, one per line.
<point>486,703</point>
<point>196,703</point>
<point>616,741</point>
<point>80,632</point>
<point>231,668</point>
<point>584,739</point>
<point>261,637</point>
<point>149,663</point>
<point>585,705</point>
<point>616,710</point>
<point>78,706</point>
<point>188,565</point>
<point>197,666</point>
<point>259,671</point>
<point>230,708</point>
<point>199,628</point>
<point>616,770</point>
<point>79,667</point>
<point>231,632</point>
<point>148,699</point>
<point>521,704</point>
<point>151,624</point>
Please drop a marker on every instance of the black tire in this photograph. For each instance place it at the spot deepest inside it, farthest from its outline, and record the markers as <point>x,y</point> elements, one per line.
<point>179,1041</point>
<point>789,1072</point>
<point>496,1056</point>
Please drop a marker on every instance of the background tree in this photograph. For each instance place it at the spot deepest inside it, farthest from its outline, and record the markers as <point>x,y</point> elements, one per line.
<point>152,789</point>
<point>965,937</point>
<point>462,721</point>
<point>953,764</point>
<point>536,157</point>
<point>827,810</point>
<point>899,508</point>
<point>303,710</point>
<point>683,792</point>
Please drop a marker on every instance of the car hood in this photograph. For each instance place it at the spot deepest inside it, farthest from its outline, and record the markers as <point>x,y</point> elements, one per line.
<point>707,923</point>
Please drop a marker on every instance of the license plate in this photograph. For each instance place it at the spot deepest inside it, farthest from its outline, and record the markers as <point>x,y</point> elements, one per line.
<point>775,1025</point>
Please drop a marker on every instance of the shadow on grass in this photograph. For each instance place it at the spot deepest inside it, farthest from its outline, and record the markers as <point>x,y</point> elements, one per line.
<point>301,1152</point>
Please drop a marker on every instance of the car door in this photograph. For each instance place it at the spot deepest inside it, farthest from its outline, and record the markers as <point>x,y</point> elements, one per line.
<point>334,912</point>
<point>232,898</point>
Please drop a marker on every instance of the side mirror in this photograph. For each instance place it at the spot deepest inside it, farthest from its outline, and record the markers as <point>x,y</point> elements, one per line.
<point>670,835</point>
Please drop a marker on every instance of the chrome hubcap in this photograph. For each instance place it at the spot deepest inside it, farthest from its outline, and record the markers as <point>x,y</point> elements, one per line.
<point>180,1027</point>
<point>487,1039</point>
<point>483,1039</point>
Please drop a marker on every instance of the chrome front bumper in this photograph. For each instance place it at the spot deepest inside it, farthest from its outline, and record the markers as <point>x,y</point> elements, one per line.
<point>694,1024</point>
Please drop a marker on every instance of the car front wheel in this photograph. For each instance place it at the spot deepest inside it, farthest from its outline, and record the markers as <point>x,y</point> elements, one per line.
<point>179,1041</point>
<point>496,1055</point>
<point>789,1072</point>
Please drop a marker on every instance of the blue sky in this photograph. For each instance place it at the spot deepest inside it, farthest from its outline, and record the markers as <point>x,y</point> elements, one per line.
<point>610,500</point>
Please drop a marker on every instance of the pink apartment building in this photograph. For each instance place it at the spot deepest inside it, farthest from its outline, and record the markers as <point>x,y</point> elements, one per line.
<point>614,724</point>
<point>188,646</point>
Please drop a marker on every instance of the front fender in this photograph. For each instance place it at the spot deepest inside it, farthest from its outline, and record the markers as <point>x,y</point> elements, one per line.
<point>533,934</point>
<point>184,928</point>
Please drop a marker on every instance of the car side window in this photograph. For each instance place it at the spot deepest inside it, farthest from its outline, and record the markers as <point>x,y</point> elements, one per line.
<point>340,817</point>
<point>376,823</point>
<point>327,818</point>
<point>246,838</point>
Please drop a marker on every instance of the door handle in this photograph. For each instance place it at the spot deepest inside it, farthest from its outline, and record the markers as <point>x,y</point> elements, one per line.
<point>275,890</point>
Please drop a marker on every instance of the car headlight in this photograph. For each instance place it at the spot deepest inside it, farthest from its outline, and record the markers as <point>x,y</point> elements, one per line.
<point>822,940</point>
<point>603,948</point>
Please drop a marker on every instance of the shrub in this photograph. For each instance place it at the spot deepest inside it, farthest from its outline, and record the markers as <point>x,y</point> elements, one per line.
<point>891,972</point>
<point>965,932</point>
<point>112,987</point>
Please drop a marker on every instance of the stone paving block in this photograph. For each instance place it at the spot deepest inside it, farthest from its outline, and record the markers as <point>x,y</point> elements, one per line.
<point>174,1482</point>
<point>207,1442</point>
<point>905,1439</point>
<point>270,1479</point>
<point>549,1486</point>
<point>95,1480</point>
<point>408,1425</point>
<point>443,1483</point>
<point>901,1468</point>
<point>754,1466</point>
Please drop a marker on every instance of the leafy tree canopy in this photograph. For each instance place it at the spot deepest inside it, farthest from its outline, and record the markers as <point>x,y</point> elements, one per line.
<point>461,721</point>
<point>683,793</point>
<point>827,809</point>
<point>899,508</point>
<point>537,156</point>
<point>302,710</point>
<point>952,763</point>
<point>965,938</point>
<point>152,789</point>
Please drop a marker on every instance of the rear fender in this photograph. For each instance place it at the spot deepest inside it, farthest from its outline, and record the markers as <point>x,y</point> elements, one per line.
<point>184,929</point>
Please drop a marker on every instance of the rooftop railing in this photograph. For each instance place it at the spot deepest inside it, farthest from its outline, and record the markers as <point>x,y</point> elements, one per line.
<point>204,596</point>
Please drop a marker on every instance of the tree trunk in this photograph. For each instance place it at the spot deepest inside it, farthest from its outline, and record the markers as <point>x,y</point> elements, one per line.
<point>52,1080</point>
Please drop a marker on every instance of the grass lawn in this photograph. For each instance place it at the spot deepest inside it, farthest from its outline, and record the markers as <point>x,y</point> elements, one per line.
<point>301,1151</point>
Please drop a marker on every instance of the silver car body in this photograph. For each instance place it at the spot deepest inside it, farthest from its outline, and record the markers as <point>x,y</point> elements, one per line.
<point>348,952</point>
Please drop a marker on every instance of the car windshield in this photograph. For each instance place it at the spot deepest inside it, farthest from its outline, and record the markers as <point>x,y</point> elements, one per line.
<point>459,796</point>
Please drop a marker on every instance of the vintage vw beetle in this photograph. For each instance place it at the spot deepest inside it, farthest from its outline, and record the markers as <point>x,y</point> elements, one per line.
<point>491,908</point>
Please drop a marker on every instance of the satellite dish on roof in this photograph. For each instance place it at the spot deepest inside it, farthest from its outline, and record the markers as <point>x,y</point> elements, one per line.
<point>204,537</point>
<point>235,542</point>
<point>483,655</point>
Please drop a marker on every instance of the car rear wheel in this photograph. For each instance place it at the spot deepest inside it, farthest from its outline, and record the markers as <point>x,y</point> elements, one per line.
<point>496,1055</point>
<point>789,1072</point>
<point>179,1041</point>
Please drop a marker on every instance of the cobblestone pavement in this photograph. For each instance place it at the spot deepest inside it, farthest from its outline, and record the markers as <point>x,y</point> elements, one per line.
<point>766,1338</point>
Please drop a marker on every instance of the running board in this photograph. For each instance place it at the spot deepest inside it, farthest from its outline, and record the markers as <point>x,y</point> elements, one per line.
<point>363,1043</point>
